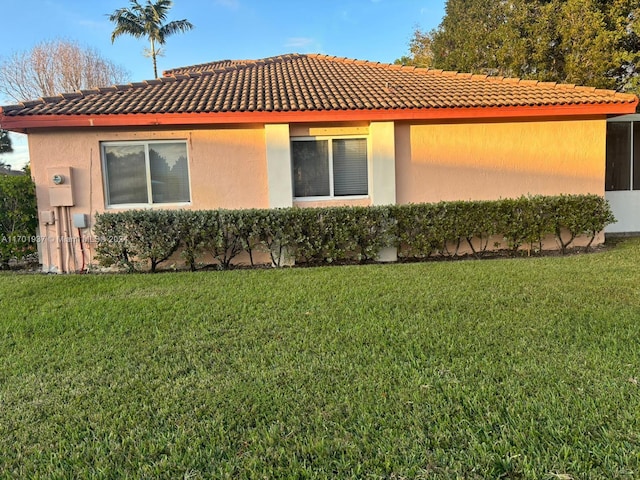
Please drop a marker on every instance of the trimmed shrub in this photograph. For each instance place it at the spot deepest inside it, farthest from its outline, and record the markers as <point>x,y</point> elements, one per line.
<point>194,227</point>
<point>138,237</point>
<point>223,239</point>
<point>416,230</point>
<point>373,228</point>
<point>478,224</point>
<point>318,236</point>
<point>524,221</point>
<point>109,231</point>
<point>575,215</point>
<point>278,233</point>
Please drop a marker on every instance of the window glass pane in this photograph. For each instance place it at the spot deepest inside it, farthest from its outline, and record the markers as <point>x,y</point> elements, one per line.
<point>636,155</point>
<point>350,167</point>
<point>310,168</point>
<point>169,172</point>
<point>618,170</point>
<point>126,174</point>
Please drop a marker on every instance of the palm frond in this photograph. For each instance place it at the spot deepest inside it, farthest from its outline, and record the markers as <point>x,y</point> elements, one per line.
<point>160,10</point>
<point>176,26</point>
<point>127,24</point>
<point>147,21</point>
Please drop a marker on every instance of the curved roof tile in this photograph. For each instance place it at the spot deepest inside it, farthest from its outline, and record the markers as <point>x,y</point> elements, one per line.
<point>297,82</point>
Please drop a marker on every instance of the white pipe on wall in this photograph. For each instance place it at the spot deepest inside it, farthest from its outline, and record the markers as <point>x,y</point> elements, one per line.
<point>59,239</point>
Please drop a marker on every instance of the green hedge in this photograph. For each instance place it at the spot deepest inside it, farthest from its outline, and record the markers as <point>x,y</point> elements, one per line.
<point>18,218</point>
<point>141,239</point>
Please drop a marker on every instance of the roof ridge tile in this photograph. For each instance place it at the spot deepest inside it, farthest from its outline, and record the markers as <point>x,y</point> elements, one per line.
<point>238,64</point>
<point>71,95</point>
<point>9,108</point>
<point>585,88</point>
<point>52,99</point>
<point>33,103</point>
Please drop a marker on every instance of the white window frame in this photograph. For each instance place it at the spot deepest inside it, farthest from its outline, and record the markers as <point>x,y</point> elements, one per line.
<point>331,195</point>
<point>145,143</point>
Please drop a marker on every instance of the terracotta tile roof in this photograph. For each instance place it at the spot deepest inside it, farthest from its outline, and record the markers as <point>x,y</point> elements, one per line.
<point>295,83</point>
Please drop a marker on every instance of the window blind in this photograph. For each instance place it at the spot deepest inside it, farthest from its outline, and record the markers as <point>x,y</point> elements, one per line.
<point>350,167</point>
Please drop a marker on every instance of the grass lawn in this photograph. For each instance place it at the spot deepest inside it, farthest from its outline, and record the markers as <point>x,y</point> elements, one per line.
<point>523,368</point>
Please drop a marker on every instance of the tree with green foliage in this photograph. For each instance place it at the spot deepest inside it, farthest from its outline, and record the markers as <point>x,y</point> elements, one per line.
<point>420,50</point>
<point>625,23</point>
<point>148,21</point>
<point>587,42</point>
<point>5,142</point>
<point>18,218</point>
<point>5,147</point>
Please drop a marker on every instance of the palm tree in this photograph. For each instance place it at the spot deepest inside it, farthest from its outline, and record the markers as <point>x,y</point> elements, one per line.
<point>147,21</point>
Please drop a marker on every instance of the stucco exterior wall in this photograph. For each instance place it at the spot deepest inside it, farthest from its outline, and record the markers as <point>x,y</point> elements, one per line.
<point>346,202</point>
<point>234,167</point>
<point>227,169</point>
<point>492,160</point>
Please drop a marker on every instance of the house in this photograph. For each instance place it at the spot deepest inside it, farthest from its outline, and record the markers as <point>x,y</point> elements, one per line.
<point>11,173</point>
<point>306,130</point>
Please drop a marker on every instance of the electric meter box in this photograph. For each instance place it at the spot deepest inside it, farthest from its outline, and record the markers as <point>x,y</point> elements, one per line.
<point>60,187</point>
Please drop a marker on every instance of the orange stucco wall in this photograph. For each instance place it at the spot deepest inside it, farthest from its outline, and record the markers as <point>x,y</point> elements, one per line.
<point>488,161</point>
<point>433,162</point>
<point>226,166</point>
<point>227,169</point>
<point>359,202</point>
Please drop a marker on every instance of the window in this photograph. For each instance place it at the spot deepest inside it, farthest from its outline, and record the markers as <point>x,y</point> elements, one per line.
<point>331,167</point>
<point>623,156</point>
<point>146,173</point>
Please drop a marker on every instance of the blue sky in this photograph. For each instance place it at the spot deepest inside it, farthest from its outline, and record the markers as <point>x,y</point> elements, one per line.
<point>376,30</point>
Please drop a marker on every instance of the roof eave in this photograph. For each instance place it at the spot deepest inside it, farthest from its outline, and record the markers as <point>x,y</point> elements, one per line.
<point>22,124</point>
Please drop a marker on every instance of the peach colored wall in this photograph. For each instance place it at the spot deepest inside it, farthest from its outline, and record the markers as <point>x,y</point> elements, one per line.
<point>346,202</point>
<point>227,168</point>
<point>433,162</point>
<point>339,128</point>
<point>487,161</point>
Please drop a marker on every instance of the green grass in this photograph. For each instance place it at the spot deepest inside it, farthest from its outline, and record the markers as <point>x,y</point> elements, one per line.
<point>491,369</point>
